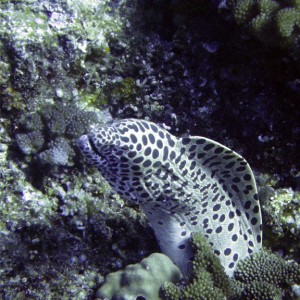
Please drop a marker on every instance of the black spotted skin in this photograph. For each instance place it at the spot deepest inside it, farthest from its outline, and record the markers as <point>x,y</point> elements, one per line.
<point>183,185</point>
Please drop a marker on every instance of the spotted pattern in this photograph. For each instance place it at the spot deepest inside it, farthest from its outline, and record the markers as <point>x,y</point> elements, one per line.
<point>183,185</point>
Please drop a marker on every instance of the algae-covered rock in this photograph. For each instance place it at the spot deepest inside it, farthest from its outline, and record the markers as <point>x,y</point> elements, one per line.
<point>281,215</point>
<point>140,280</point>
<point>50,56</point>
<point>56,243</point>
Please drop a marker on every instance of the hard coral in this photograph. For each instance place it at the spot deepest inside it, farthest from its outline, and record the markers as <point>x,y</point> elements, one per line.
<point>270,269</point>
<point>260,290</point>
<point>31,142</point>
<point>274,22</point>
<point>207,279</point>
<point>261,276</point>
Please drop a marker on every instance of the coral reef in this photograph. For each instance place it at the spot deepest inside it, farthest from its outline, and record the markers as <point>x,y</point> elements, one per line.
<point>273,22</point>
<point>190,77</point>
<point>42,73</point>
<point>141,280</point>
<point>183,67</point>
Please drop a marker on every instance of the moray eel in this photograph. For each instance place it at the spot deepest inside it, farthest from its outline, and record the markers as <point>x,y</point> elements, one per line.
<point>183,185</point>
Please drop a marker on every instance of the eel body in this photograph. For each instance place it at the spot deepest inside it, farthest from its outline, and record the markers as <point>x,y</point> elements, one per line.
<point>183,185</point>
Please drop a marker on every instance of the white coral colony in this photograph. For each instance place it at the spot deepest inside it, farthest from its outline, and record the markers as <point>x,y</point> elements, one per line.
<point>183,185</point>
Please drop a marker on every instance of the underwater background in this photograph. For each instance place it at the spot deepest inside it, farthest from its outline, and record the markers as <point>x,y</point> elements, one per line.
<point>228,71</point>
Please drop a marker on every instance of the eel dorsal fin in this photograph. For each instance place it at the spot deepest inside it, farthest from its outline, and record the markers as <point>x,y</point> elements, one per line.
<point>208,188</point>
<point>232,171</point>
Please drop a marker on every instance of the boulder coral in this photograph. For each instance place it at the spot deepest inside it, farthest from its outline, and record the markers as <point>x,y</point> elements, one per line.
<point>48,134</point>
<point>140,281</point>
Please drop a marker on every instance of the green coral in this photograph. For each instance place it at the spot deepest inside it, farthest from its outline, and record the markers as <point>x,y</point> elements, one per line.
<point>265,275</point>
<point>243,11</point>
<point>274,22</point>
<point>207,279</point>
<point>140,280</point>
<point>288,21</point>
<point>260,290</point>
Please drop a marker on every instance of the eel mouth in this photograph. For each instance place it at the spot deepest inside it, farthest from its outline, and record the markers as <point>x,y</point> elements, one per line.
<point>83,143</point>
<point>92,145</point>
<point>88,148</point>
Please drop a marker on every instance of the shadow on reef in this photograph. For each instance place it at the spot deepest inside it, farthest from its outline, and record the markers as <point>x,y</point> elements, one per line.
<point>215,81</point>
<point>67,257</point>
